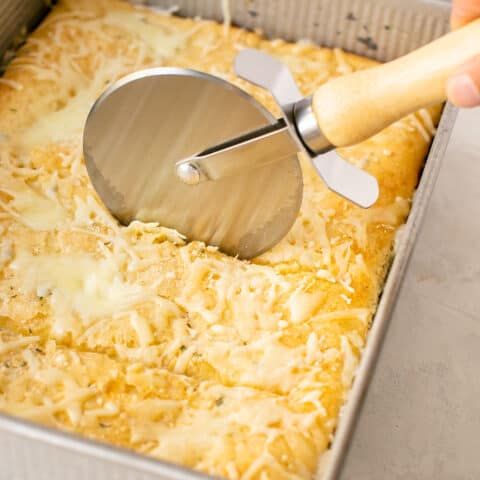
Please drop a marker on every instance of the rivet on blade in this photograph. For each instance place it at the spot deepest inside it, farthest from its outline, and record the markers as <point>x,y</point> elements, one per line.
<point>188,173</point>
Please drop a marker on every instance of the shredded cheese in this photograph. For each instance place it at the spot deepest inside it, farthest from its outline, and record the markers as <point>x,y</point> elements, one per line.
<point>14,345</point>
<point>419,127</point>
<point>227,16</point>
<point>427,120</point>
<point>343,66</point>
<point>11,83</point>
<point>81,287</point>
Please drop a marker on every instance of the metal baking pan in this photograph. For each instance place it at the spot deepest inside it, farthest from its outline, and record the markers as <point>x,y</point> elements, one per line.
<point>380,29</point>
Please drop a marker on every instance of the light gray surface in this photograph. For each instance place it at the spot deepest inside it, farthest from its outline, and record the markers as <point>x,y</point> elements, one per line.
<point>421,417</point>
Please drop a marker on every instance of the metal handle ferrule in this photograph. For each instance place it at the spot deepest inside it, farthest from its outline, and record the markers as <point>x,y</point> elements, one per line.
<point>307,128</point>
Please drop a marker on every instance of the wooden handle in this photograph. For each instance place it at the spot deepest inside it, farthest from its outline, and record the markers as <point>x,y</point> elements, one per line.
<point>352,108</point>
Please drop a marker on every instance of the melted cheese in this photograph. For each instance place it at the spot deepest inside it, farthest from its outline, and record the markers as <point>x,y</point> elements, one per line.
<point>72,119</point>
<point>11,83</point>
<point>6,251</point>
<point>161,41</point>
<point>419,127</point>
<point>78,287</point>
<point>6,347</point>
<point>227,16</point>
<point>343,66</point>
<point>34,210</point>
<point>349,362</point>
<point>427,120</point>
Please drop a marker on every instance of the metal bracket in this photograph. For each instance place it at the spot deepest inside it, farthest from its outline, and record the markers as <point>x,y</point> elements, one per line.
<point>339,175</point>
<point>248,152</point>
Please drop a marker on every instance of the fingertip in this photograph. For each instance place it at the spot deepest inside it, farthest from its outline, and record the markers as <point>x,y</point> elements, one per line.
<point>462,91</point>
<point>463,12</point>
<point>456,22</point>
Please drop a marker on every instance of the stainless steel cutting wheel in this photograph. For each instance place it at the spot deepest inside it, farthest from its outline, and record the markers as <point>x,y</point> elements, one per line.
<point>147,122</point>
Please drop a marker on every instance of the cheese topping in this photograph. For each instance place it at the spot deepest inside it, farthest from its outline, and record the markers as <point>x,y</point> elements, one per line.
<point>78,286</point>
<point>227,15</point>
<point>34,210</point>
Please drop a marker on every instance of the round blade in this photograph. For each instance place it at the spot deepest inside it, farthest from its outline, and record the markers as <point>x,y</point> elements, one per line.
<point>146,122</point>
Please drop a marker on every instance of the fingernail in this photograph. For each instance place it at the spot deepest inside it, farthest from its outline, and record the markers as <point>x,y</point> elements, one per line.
<point>462,91</point>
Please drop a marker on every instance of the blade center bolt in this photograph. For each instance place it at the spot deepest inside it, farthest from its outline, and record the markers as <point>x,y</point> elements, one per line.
<point>188,173</point>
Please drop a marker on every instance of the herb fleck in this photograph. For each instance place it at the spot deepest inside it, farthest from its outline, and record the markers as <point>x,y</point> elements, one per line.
<point>368,42</point>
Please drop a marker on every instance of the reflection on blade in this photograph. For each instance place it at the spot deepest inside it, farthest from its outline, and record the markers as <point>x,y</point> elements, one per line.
<point>139,129</point>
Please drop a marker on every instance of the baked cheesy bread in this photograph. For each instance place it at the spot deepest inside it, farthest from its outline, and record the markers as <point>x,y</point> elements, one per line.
<point>129,335</point>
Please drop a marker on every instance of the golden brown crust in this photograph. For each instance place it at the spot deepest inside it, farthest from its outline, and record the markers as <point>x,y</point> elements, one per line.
<point>128,335</point>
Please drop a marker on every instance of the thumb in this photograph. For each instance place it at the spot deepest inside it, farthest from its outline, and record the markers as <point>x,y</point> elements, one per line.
<point>463,88</point>
<point>464,11</point>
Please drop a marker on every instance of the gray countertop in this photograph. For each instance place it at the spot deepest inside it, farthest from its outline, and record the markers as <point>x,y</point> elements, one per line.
<point>421,417</point>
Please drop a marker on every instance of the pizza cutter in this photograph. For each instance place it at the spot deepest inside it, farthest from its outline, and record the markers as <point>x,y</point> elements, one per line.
<point>195,153</point>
